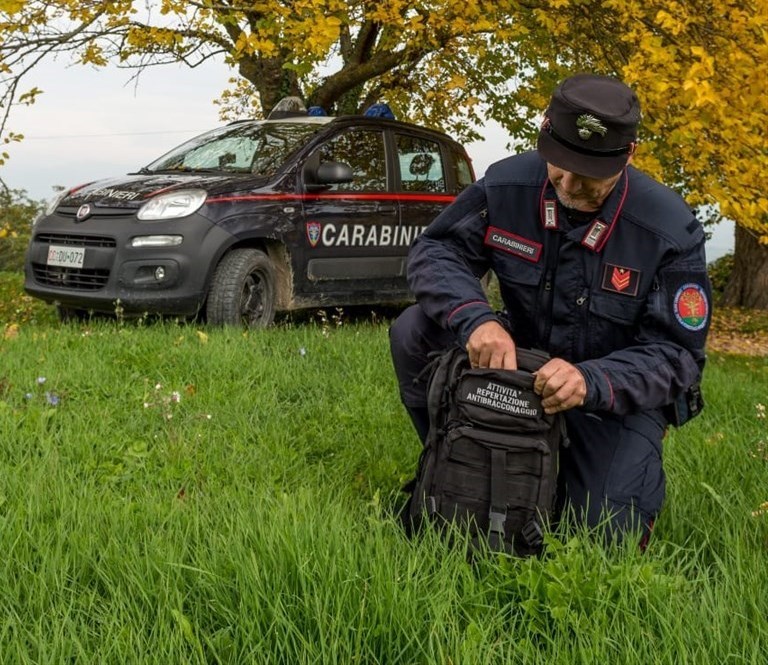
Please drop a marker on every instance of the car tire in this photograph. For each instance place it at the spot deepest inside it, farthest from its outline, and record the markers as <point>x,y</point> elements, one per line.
<point>243,290</point>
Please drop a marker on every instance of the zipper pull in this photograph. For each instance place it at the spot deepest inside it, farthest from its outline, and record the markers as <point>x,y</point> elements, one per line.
<point>548,281</point>
<point>582,299</point>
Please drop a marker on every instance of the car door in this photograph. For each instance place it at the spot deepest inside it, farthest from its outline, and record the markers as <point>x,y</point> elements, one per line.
<point>428,179</point>
<point>352,246</point>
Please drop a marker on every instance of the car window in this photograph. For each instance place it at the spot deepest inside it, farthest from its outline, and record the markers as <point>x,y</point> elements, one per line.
<point>247,148</point>
<point>421,164</point>
<point>363,151</point>
<point>462,171</point>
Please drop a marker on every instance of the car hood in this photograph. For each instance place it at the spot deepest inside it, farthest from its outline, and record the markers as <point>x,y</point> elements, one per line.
<point>131,191</point>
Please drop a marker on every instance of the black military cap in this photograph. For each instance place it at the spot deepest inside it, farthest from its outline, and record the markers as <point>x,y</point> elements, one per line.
<point>590,127</point>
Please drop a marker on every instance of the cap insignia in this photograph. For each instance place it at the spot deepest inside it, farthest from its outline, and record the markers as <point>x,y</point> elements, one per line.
<point>588,125</point>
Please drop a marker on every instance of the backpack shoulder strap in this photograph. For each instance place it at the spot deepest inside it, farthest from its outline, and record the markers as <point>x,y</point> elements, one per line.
<point>447,368</point>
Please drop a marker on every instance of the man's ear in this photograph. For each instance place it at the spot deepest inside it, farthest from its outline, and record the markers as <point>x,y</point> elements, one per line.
<point>631,153</point>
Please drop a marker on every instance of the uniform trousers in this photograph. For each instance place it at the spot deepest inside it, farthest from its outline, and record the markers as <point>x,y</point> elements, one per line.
<point>610,474</point>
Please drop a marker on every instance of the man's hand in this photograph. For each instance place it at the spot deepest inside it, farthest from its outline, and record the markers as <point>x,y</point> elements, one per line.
<point>561,386</point>
<point>490,346</point>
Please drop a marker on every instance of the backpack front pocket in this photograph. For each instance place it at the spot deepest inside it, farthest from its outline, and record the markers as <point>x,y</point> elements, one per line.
<point>466,476</point>
<point>501,399</point>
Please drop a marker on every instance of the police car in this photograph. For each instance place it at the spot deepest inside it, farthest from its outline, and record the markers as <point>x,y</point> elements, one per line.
<point>250,219</point>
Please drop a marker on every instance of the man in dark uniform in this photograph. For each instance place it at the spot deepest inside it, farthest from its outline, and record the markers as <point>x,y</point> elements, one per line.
<point>597,264</point>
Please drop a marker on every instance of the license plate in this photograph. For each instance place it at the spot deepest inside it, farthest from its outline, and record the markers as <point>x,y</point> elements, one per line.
<point>66,257</point>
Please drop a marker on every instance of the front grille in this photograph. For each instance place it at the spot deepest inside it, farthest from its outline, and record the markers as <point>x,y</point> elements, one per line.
<point>82,279</point>
<point>71,213</point>
<point>76,240</point>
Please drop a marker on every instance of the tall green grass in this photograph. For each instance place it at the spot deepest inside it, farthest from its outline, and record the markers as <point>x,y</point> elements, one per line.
<point>174,494</point>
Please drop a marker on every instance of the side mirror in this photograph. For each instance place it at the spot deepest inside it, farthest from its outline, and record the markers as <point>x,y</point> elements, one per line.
<point>331,173</point>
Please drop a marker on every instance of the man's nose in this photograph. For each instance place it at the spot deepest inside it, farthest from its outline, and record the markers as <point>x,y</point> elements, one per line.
<point>570,182</point>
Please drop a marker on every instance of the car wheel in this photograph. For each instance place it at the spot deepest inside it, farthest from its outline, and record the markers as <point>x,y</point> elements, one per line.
<point>243,290</point>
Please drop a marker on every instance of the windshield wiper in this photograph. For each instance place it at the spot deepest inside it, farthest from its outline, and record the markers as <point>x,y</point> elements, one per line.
<point>185,169</point>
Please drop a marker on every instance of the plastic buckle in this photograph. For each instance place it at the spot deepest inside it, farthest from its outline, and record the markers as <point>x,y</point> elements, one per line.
<point>497,522</point>
<point>532,534</point>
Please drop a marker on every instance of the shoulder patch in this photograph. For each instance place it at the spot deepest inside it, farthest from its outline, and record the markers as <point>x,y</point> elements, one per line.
<point>691,306</point>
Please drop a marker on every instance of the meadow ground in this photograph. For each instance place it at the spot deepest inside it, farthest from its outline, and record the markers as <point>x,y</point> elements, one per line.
<point>171,493</point>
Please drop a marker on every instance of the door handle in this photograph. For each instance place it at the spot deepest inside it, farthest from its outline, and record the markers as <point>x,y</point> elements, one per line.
<point>386,208</point>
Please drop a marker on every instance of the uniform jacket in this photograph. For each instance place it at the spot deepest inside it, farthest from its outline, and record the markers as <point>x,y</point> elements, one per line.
<point>624,297</point>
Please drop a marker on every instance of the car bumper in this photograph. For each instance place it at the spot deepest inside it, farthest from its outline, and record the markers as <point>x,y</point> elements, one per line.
<point>116,275</point>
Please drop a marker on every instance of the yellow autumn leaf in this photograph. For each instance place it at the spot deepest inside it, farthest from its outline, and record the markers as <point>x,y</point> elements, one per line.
<point>11,6</point>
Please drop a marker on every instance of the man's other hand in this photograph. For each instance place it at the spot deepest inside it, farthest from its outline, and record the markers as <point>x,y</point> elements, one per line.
<point>561,386</point>
<point>490,345</point>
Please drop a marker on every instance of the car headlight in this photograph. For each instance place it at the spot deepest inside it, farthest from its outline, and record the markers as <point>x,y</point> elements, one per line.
<point>51,206</point>
<point>172,205</point>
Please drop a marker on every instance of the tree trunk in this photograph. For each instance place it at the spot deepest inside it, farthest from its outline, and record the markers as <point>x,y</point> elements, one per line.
<point>270,78</point>
<point>748,285</point>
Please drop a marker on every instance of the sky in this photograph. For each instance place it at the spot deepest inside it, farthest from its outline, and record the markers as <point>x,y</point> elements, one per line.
<point>94,123</point>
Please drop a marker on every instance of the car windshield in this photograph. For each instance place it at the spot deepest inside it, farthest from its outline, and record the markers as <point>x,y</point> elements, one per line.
<point>258,148</point>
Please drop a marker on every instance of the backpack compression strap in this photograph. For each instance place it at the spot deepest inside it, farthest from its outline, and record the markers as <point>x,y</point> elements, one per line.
<point>497,515</point>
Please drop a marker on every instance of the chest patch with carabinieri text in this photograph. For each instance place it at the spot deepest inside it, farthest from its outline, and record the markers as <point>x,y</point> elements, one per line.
<point>513,244</point>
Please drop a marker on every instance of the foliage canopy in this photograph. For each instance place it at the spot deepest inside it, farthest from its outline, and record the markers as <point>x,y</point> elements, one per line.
<point>699,66</point>
<point>17,211</point>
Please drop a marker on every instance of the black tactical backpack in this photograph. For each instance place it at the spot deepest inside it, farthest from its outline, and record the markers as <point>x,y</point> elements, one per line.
<point>490,460</point>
